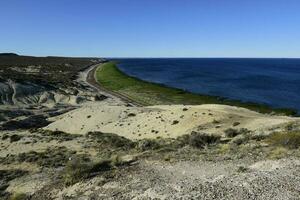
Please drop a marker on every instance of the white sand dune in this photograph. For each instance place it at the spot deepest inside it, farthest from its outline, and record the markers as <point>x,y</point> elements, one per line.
<point>167,121</point>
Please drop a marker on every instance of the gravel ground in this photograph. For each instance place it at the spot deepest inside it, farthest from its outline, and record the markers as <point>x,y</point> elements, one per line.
<point>241,179</point>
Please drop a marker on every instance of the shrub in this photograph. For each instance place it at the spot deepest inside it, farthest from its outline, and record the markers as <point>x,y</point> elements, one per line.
<point>224,148</point>
<point>291,126</point>
<point>236,123</point>
<point>199,140</point>
<point>240,139</point>
<point>230,132</point>
<point>116,160</point>
<point>5,177</point>
<point>148,144</point>
<point>15,138</point>
<point>100,97</point>
<point>175,122</point>
<point>131,115</point>
<point>18,196</point>
<point>78,169</point>
<point>242,169</point>
<point>5,136</point>
<point>215,121</point>
<point>51,157</point>
<point>278,153</point>
<point>258,137</point>
<point>58,135</point>
<point>290,140</point>
<point>111,140</point>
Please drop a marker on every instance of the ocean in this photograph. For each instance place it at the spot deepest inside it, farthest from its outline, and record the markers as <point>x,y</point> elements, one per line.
<point>275,82</point>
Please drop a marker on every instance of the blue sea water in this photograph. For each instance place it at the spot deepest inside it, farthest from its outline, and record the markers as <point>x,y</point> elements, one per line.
<point>275,82</point>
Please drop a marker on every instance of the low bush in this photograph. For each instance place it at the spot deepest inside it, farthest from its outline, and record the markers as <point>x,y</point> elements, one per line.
<point>230,132</point>
<point>58,135</point>
<point>131,115</point>
<point>18,196</point>
<point>236,123</point>
<point>278,153</point>
<point>5,177</point>
<point>215,121</point>
<point>241,138</point>
<point>51,157</point>
<point>175,122</point>
<point>36,121</point>
<point>5,136</point>
<point>111,140</point>
<point>78,169</point>
<point>148,144</point>
<point>14,138</point>
<point>199,140</point>
<point>289,140</point>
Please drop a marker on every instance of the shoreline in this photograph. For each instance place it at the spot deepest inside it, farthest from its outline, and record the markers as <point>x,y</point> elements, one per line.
<point>92,80</point>
<point>163,90</point>
<point>105,144</point>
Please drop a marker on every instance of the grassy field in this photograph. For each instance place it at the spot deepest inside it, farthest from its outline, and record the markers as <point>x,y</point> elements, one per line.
<point>146,93</point>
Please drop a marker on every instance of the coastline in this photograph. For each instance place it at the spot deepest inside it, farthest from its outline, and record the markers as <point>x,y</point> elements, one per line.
<point>116,141</point>
<point>92,80</point>
<point>148,93</point>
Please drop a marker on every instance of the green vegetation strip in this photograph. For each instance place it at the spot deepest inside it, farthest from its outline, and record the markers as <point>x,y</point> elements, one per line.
<point>146,93</point>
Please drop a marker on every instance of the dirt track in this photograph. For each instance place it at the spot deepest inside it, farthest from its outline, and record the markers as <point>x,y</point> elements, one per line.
<point>91,79</point>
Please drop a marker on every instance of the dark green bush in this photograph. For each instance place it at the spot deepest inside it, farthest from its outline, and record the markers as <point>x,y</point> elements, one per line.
<point>58,135</point>
<point>111,140</point>
<point>14,138</point>
<point>148,144</point>
<point>236,123</point>
<point>51,157</point>
<point>199,140</point>
<point>230,132</point>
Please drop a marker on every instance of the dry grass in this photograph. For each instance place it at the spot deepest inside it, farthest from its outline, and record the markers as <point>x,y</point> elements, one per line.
<point>18,196</point>
<point>78,169</point>
<point>290,140</point>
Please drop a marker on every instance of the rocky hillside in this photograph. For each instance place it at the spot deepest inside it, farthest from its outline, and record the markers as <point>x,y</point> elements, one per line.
<point>30,85</point>
<point>42,70</point>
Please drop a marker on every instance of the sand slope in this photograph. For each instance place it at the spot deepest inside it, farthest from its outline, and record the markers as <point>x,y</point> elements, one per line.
<point>164,121</point>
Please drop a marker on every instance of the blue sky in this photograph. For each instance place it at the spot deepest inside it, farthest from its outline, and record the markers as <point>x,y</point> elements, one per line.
<point>151,28</point>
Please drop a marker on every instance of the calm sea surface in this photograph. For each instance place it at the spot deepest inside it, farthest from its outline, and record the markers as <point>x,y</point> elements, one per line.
<point>275,82</point>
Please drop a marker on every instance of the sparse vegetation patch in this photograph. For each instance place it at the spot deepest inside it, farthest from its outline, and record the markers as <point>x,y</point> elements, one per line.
<point>200,140</point>
<point>51,157</point>
<point>289,140</point>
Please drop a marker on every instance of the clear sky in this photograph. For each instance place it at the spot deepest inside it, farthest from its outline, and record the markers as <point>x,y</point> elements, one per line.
<point>151,28</point>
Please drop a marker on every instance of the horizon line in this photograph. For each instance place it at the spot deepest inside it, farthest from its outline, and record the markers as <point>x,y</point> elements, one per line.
<point>155,57</point>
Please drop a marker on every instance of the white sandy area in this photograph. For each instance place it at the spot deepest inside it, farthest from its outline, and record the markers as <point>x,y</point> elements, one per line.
<point>160,121</point>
